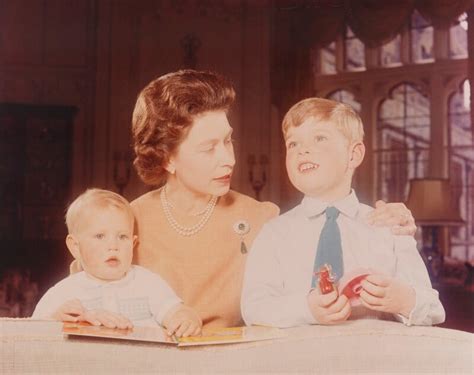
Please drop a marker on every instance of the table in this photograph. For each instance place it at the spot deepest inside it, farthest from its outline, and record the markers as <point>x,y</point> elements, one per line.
<point>359,346</point>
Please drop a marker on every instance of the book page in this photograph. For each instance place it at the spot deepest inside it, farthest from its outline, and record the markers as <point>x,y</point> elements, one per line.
<point>213,336</point>
<point>210,336</point>
<point>137,333</point>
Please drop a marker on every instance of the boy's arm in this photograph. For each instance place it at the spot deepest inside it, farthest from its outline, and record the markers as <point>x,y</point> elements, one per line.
<point>49,304</point>
<point>167,308</point>
<point>428,309</point>
<point>161,296</point>
<point>411,269</point>
<point>182,320</point>
<point>264,301</point>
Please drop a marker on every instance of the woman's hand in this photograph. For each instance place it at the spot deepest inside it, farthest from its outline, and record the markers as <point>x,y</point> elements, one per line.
<point>394,215</point>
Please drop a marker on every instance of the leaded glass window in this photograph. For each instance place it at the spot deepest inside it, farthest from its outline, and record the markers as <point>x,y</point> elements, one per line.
<point>421,33</point>
<point>327,56</point>
<point>345,97</point>
<point>354,53</point>
<point>403,136</point>
<point>462,170</point>
<point>458,38</point>
<point>390,53</point>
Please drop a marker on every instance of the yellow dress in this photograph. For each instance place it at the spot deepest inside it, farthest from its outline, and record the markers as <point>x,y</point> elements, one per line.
<point>205,269</point>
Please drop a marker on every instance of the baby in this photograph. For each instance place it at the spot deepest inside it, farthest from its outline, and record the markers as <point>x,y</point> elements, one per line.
<point>110,291</point>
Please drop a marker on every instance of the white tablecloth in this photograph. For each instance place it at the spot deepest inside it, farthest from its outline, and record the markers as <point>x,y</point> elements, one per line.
<point>355,347</point>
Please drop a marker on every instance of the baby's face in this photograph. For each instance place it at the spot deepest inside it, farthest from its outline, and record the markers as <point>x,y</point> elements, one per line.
<point>105,239</point>
<point>317,159</point>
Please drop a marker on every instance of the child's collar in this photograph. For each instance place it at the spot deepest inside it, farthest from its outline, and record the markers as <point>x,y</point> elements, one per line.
<point>93,282</point>
<point>349,205</point>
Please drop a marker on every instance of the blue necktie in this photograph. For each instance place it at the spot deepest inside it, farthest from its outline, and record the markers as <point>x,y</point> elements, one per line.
<point>329,247</point>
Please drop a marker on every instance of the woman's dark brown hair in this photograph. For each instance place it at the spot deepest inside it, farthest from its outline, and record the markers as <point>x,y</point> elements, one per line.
<point>164,111</point>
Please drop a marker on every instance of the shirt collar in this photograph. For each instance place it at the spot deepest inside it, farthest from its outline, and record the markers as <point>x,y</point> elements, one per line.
<point>348,205</point>
<point>92,283</point>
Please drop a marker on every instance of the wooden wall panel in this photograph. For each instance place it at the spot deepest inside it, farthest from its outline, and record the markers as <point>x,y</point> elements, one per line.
<point>21,32</point>
<point>66,30</point>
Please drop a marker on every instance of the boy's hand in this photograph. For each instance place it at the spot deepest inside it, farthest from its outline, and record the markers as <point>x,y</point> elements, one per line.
<point>105,318</point>
<point>328,308</point>
<point>69,311</point>
<point>384,293</point>
<point>395,215</point>
<point>182,321</point>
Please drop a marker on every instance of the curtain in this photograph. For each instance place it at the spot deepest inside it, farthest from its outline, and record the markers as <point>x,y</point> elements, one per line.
<point>377,22</point>
<point>442,13</point>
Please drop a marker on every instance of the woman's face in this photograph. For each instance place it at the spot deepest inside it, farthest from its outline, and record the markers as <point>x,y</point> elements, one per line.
<point>204,160</point>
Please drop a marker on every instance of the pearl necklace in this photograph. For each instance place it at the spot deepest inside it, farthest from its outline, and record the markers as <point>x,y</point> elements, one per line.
<point>180,229</point>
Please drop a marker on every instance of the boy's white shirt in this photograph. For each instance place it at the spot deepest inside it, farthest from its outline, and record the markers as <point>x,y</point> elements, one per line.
<point>141,295</point>
<point>280,263</point>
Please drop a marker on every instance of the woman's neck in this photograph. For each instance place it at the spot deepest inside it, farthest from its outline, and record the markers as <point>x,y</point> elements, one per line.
<point>185,200</point>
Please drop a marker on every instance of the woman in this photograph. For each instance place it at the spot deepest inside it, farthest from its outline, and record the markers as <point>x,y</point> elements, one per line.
<point>194,231</point>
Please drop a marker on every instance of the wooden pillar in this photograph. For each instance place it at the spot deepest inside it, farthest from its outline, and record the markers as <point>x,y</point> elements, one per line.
<point>438,154</point>
<point>441,43</point>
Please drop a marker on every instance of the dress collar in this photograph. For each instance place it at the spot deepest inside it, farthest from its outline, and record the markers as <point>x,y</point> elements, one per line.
<point>348,205</point>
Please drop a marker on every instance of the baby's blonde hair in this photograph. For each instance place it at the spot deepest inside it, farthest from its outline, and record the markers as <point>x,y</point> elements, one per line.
<point>345,119</point>
<point>95,198</point>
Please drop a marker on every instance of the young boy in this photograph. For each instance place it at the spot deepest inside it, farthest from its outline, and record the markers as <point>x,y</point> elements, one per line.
<point>324,147</point>
<point>110,291</point>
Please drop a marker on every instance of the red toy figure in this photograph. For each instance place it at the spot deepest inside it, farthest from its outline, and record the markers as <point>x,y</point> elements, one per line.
<point>326,279</point>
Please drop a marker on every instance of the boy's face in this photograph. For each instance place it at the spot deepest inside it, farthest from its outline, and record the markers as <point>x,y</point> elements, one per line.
<point>320,161</point>
<point>103,242</point>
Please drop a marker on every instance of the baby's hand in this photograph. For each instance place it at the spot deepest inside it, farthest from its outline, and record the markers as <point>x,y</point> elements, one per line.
<point>384,293</point>
<point>328,308</point>
<point>105,318</point>
<point>69,311</point>
<point>182,321</point>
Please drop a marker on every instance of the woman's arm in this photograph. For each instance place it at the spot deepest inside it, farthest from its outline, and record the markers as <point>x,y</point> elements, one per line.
<point>394,215</point>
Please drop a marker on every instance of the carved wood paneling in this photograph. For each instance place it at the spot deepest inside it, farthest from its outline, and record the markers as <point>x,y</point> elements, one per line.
<point>65,32</point>
<point>21,32</point>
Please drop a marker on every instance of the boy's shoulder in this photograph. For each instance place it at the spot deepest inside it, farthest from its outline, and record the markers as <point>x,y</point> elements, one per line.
<point>70,282</point>
<point>364,210</point>
<point>144,276</point>
<point>142,272</point>
<point>381,234</point>
<point>286,219</point>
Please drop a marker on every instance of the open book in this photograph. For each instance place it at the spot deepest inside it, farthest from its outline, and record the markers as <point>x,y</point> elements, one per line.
<point>210,336</point>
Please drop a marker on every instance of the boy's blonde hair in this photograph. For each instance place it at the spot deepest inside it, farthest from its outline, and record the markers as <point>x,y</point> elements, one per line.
<point>96,198</point>
<point>346,120</point>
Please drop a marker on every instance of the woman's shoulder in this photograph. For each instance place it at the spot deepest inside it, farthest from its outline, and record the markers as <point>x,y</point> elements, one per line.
<point>144,200</point>
<point>242,202</point>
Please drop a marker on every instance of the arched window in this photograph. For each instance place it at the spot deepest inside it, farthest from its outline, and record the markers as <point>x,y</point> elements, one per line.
<point>421,33</point>
<point>390,53</point>
<point>403,136</point>
<point>458,38</point>
<point>346,97</point>
<point>399,141</point>
<point>462,169</point>
<point>354,53</point>
<point>327,57</point>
